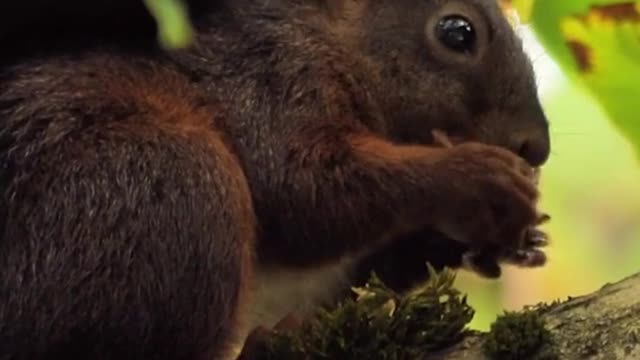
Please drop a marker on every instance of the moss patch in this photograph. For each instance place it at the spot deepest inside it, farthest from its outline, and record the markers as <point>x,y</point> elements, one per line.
<point>379,323</point>
<point>520,335</point>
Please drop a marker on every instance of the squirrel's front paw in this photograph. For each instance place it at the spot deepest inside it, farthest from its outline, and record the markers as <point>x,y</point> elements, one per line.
<point>486,194</point>
<point>527,254</point>
<point>525,249</point>
<point>488,202</point>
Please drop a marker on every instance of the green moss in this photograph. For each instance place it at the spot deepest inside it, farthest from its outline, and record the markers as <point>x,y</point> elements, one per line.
<point>520,335</point>
<point>380,324</point>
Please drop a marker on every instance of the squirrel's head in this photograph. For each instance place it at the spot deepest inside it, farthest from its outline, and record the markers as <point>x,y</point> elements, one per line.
<point>455,65</point>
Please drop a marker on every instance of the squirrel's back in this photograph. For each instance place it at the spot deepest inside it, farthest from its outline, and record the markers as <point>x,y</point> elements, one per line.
<point>118,192</point>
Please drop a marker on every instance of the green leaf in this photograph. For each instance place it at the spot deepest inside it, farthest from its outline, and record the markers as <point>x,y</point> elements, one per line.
<point>546,17</point>
<point>597,45</point>
<point>174,25</point>
<point>605,44</point>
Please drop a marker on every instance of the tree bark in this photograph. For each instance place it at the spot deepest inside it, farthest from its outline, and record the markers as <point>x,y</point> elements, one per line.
<point>604,325</point>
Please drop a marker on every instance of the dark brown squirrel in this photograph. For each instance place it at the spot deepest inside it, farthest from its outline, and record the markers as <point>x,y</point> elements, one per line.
<point>153,200</point>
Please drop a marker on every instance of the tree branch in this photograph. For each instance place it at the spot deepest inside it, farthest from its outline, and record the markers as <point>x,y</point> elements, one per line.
<point>600,326</point>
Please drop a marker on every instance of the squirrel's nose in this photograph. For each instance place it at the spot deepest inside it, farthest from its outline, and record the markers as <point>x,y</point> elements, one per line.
<point>531,141</point>
<point>535,148</point>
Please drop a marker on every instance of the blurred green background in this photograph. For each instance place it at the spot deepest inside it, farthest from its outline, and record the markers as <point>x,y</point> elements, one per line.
<point>591,189</point>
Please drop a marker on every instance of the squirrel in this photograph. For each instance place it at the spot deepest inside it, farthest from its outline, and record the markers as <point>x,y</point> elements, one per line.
<point>160,204</point>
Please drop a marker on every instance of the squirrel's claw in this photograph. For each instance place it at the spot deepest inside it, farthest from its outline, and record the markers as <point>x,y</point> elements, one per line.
<point>536,238</point>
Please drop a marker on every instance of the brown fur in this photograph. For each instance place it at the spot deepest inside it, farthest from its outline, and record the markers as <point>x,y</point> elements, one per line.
<point>144,189</point>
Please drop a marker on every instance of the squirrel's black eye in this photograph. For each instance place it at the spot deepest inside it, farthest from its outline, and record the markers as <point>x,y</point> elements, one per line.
<point>456,33</point>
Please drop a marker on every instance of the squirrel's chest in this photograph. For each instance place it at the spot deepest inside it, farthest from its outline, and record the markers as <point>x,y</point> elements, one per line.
<point>280,292</point>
